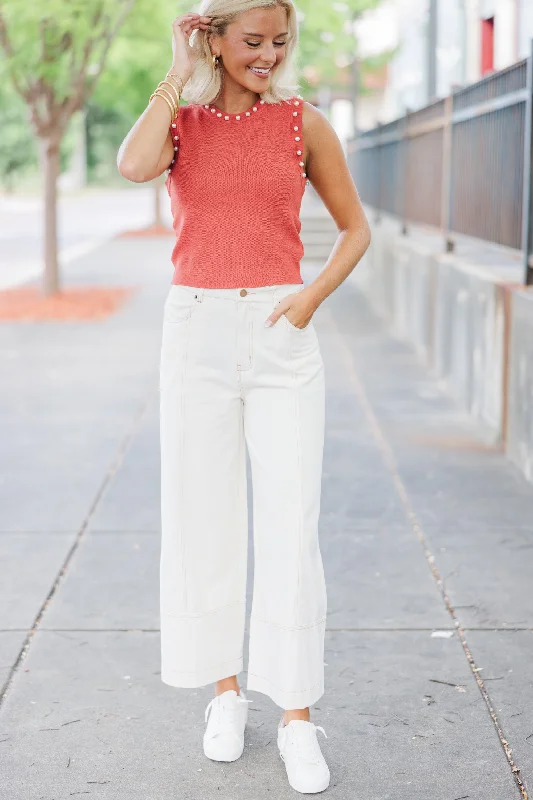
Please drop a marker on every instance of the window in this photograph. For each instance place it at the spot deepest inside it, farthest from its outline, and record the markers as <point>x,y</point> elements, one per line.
<point>487,45</point>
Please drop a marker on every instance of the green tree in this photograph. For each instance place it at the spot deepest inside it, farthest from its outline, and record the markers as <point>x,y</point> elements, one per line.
<point>17,143</point>
<point>139,59</point>
<point>54,52</point>
<point>327,42</point>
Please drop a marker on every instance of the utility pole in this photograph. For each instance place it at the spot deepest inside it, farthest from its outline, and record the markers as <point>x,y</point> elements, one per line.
<point>355,93</point>
<point>432,41</point>
<point>527,202</point>
<point>355,76</point>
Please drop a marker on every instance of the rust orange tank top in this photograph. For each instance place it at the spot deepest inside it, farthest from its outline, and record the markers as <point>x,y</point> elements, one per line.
<point>236,186</point>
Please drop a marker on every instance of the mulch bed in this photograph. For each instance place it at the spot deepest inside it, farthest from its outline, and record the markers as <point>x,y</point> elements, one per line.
<point>152,230</point>
<point>80,303</point>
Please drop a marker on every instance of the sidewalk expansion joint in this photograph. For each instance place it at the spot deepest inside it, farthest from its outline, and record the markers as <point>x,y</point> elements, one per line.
<point>389,461</point>
<point>123,447</point>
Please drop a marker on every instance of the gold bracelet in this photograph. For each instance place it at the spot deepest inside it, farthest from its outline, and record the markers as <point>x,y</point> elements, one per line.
<point>173,89</point>
<point>179,80</point>
<point>173,76</point>
<point>167,101</point>
<point>170,103</point>
<point>167,94</point>
<point>161,88</point>
<point>178,89</point>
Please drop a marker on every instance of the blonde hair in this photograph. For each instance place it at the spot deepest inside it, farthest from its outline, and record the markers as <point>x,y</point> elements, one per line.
<point>205,83</point>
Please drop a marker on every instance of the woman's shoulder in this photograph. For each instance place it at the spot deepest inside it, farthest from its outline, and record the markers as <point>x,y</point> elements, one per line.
<point>311,116</point>
<point>315,123</point>
<point>311,113</point>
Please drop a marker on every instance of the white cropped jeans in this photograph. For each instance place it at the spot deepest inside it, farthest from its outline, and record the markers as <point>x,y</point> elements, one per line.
<point>227,381</point>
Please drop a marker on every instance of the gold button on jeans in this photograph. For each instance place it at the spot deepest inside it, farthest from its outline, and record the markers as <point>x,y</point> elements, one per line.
<point>243,292</point>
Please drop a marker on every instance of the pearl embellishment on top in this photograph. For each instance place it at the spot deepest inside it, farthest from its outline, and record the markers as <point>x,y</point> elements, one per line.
<point>238,117</point>
<point>298,139</point>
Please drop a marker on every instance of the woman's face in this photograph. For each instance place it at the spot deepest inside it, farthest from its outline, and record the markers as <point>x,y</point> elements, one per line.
<point>257,39</point>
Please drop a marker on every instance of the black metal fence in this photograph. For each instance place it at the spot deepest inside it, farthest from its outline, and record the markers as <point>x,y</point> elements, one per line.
<point>462,164</point>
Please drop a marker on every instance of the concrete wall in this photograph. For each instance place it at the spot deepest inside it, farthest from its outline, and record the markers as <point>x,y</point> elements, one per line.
<point>470,331</point>
<point>413,286</point>
<point>457,314</point>
<point>520,402</point>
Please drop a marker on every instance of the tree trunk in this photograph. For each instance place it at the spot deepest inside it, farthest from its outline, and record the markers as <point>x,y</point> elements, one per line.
<point>50,163</point>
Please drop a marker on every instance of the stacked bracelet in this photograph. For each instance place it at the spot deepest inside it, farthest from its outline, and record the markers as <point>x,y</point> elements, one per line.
<point>176,86</point>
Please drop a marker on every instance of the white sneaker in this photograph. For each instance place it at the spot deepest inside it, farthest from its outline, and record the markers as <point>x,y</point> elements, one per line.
<point>224,735</point>
<point>298,746</point>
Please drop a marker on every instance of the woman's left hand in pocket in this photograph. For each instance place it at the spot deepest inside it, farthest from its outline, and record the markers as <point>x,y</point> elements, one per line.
<point>300,307</point>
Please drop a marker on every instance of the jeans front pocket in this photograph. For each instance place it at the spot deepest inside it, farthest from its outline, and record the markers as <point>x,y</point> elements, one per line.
<point>295,327</point>
<point>292,290</point>
<point>178,305</point>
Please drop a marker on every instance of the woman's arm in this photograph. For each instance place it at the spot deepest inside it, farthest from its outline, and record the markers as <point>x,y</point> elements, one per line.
<point>147,150</point>
<point>328,171</point>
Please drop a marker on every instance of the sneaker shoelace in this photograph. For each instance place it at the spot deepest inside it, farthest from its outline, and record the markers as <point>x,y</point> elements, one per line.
<point>230,712</point>
<point>307,746</point>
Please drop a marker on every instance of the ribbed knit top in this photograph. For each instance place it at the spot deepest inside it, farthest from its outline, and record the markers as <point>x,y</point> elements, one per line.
<point>236,185</point>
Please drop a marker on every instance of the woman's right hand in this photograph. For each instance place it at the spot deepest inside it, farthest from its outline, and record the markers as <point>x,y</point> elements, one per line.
<point>183,57</point>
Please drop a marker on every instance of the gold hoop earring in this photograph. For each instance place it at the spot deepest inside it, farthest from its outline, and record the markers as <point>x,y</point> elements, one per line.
<point>215,62</point>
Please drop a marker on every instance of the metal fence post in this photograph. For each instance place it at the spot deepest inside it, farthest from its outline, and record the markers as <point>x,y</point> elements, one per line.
<point>447,171</point>
<point>377,218</point>
<point>527,203</point>
<point>404,160</point>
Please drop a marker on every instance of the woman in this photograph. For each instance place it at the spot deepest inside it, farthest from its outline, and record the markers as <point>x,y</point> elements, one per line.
<point>241,365</point>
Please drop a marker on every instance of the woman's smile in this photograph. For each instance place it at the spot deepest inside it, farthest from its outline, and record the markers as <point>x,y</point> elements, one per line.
<point>261,72</point>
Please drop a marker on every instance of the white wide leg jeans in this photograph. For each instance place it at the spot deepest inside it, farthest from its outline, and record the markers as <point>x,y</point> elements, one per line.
<point>228,382</point>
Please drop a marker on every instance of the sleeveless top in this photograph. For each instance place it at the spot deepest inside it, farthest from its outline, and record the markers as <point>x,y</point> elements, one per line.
<point>236,185</point>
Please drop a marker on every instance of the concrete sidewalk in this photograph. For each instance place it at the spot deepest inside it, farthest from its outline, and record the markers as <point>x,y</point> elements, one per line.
<point>426,537</point>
